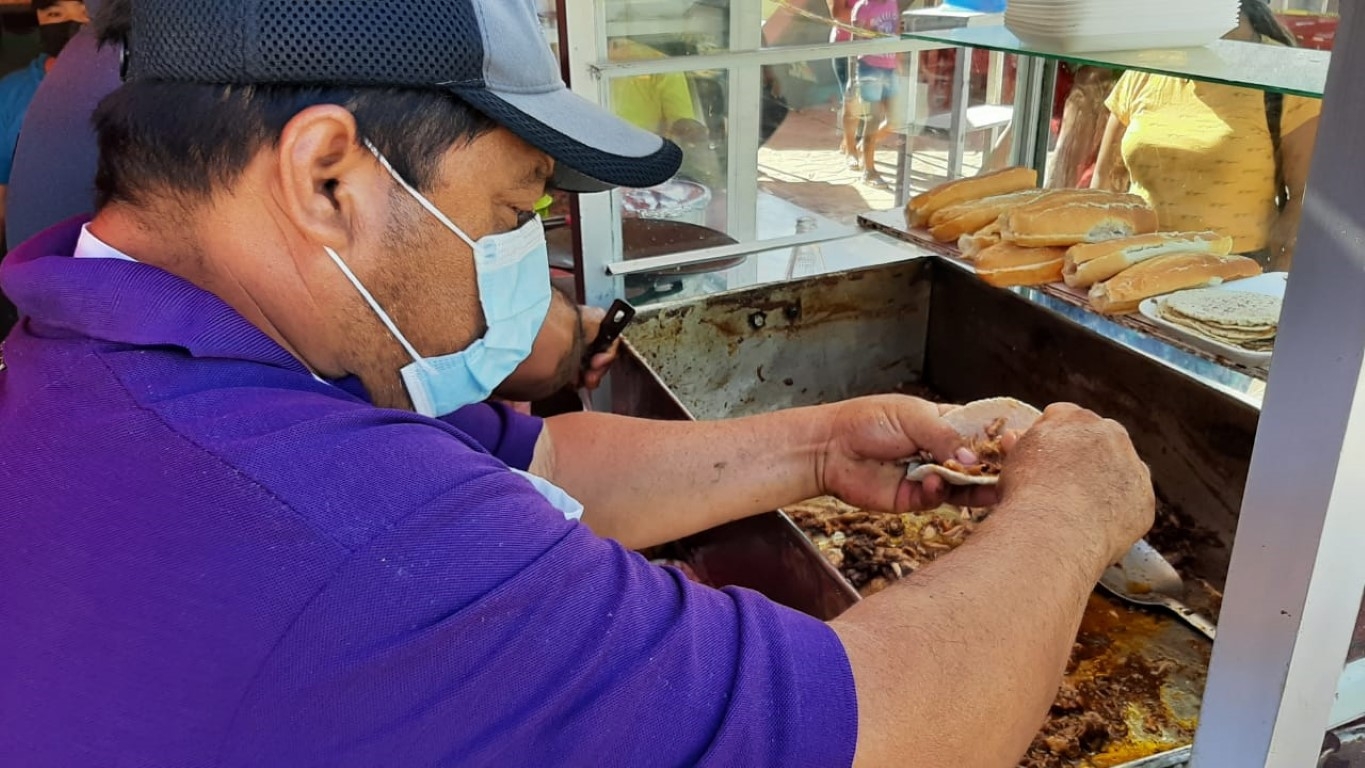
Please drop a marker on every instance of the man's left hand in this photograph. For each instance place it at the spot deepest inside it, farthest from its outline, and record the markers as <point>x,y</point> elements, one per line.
<point>862,461</point>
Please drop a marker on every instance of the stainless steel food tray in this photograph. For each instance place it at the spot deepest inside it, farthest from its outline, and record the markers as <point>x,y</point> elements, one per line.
<point>923,322</point>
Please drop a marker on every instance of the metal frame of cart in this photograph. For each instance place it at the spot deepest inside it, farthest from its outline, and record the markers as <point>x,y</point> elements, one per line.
<point>1296,580</point>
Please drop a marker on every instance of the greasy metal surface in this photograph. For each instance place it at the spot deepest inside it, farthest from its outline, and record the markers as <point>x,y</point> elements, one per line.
<point>985,342</point>
<point>1136,668</point>
<point>766,553</point>
<point>1162,717</point>
<point>778,346</point>
<point>875,329</point>
<point>769,555</point>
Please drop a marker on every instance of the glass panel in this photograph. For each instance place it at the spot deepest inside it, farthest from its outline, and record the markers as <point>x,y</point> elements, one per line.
<point>689,108</point>
<point>818,157</point>
<point>1268,67</point>
<point>834,136</point>
<point>1344,746</point>
<point>1313,23</point>
<point>811,22</point>
<point>653,28</point>
<point>860,250</point>
<point>1357,650</point>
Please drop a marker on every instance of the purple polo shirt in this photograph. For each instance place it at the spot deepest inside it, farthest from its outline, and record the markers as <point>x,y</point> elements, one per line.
<point>207,557</point>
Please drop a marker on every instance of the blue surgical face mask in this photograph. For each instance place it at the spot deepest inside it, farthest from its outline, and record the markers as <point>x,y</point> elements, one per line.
<point>513,271</point>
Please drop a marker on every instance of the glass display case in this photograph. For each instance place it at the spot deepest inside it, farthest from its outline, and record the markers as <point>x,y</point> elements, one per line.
<point>753,93</point>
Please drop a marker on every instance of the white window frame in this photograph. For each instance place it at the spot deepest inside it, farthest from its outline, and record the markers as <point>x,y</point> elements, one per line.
<point>591,73</point>
<point>1276,682</point>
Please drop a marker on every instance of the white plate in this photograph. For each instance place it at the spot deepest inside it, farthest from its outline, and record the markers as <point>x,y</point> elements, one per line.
<point>1120,41</point>
<point>1161,29</point>
<point>1117,12</point>
<point>1017,8</point>
<point>1269,284</point>
<point>1121,9</point>
<point>1201,21</point>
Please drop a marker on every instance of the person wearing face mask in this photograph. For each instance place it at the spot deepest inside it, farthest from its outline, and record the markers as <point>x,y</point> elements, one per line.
<point>58,22</point>
<point>244,496</point>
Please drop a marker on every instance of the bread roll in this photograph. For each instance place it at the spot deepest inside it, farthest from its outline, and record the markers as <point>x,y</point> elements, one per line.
<point>949,224</point>
<point>1007,264</point>
<point>923,206</point>
<point>1091,263</point>
<point>972,245</point>
<point>1066,222</point>
<point>1166,274</point>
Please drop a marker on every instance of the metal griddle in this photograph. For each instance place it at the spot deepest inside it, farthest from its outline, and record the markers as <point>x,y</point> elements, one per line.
<point>926,323</point>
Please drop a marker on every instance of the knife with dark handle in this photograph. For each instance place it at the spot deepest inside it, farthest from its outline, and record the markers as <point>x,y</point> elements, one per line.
<point>618,317</point>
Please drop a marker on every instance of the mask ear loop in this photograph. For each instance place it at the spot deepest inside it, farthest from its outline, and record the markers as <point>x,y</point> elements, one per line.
<point>374,305</point>
<point>418,196</point>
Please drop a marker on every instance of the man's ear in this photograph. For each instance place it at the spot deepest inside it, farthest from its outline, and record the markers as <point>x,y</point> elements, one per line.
<point>326,178</point>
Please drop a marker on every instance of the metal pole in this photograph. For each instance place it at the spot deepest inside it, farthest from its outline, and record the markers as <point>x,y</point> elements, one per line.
<point>742,127</point>
<point>1035,82</point>
<point>1297,573</point>
<point>905,156</point>
<point>599,222</point>
<point>957,127</point>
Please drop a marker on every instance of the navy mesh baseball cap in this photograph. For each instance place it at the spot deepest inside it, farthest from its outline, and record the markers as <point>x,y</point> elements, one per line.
<point>490,53</point>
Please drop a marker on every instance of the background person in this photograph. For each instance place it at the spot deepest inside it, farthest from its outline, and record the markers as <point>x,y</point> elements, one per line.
<point>850,113</point>
<point>1214,156</point>
<point>54,180</point>
<point>876,81</point>
<point>58,22</point>
<point>53,177</point>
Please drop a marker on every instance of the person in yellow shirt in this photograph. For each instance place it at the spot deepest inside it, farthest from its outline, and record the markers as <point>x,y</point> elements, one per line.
<point>660,103</point>
<point>1213,156</point>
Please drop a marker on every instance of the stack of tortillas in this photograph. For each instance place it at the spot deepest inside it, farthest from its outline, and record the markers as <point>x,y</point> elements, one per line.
<point>1239,318</point>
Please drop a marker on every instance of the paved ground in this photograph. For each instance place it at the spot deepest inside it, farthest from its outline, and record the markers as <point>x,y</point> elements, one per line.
<point>802,164</point>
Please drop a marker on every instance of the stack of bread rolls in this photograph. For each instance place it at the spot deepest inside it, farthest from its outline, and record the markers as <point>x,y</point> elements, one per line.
<point>1106,242</point>
<point>1017,234</point>
<point>1120,274</point>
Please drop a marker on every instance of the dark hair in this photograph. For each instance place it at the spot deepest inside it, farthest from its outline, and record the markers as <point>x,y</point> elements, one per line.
<point>1266,25</point>
<point>19,23</point>
<point>40,5</point>
<point>183,141</point>
<point>1264,22</point>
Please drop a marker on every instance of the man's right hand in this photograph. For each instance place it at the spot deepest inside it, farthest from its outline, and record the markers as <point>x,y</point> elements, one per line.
<point>1083,469</point>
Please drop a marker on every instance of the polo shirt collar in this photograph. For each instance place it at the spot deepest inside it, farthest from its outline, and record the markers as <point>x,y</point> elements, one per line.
<point>127,302</point>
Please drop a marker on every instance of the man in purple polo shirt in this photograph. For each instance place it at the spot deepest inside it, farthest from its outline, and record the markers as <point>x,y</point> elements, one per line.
<point>252,513</point>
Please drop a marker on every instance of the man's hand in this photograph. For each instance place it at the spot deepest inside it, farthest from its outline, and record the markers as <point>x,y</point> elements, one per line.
<point>863,460</point>
<point>598,366</point>
<point>1083,469</point>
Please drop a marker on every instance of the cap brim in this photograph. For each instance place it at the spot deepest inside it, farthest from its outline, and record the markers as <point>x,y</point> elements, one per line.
<point>593,149</point>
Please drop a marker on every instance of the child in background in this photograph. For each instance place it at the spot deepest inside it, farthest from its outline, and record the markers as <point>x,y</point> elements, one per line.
<point>841,14</point>
<point>875,81</point>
